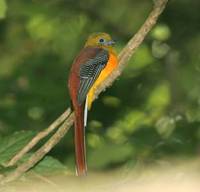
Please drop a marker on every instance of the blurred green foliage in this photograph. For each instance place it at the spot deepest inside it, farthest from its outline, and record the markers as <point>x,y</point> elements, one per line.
<point>3,8</point>
<point>11,144</point>
<point>151,113</point>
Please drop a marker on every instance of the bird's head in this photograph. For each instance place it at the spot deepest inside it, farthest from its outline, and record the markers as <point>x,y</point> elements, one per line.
<point>102,40</point>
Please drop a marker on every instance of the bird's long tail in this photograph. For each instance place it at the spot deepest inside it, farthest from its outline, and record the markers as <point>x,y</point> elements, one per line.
<point>80,152</point>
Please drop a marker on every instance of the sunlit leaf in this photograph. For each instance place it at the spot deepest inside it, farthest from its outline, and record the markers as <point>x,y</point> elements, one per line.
<point>141,59</point>
<point>3,9</point>
<point>161,32</point>
<point>165,126</point>
<point>159,49</point>
<point>159,97</point>
<point>94,140</point>
<point>35,113</point>
<point>42,28</point>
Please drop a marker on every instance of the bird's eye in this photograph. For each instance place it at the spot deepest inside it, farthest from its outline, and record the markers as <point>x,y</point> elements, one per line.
<point>101,40</point>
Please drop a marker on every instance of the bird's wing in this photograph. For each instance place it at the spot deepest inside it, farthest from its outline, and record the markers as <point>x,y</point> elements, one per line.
<point>89,72</point>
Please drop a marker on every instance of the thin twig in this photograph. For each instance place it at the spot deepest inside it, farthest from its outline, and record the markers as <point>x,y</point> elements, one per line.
<point>124,57</point>
<point>40,153</point>
<point>38,137</point>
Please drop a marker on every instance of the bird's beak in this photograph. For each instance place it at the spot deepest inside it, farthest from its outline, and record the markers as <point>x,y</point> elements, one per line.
<point>111,42</point>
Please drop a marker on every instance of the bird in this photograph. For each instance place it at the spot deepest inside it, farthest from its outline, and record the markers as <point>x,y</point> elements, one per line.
<point>94,63</point>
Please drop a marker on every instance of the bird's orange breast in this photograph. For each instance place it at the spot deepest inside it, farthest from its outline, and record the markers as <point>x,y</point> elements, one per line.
<point>110,66</point>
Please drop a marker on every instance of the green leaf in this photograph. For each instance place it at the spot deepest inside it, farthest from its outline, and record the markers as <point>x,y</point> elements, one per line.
<point>49,164</point>
<point>161,32</point>
<point>159,97</point>
<point>3,9</point>
<point>46,165</point>
<point>165,126</point>
<point>11,144</point>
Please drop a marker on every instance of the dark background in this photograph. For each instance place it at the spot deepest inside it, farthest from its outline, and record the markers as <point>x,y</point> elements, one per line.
<point>149,115</point>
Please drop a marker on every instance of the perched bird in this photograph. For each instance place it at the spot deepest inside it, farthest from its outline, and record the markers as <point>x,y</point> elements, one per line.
<point>92,66</point>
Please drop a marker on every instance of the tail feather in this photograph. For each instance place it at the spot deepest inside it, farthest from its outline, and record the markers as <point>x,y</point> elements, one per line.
<point>81,166</point>
<point>86,112</point>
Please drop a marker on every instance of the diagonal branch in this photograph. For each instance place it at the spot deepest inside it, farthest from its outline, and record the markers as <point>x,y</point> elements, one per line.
<point>124,57</point>
<point>128,51</point>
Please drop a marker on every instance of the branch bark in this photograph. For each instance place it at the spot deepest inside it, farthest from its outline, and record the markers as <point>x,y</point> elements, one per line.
<point>133,44</point>
<point>124,57</point>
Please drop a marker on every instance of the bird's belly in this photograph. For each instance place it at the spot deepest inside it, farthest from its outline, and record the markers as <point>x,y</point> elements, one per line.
<point>110,66</point>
